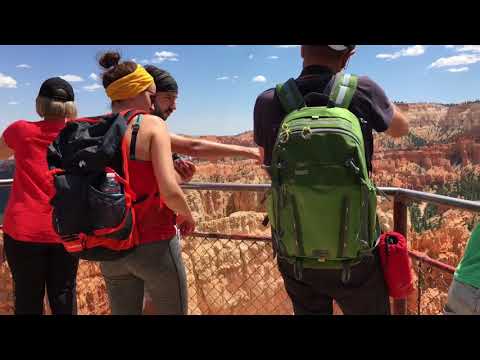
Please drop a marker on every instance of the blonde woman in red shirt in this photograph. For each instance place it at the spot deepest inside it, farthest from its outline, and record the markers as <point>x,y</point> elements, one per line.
<point>32,249</point>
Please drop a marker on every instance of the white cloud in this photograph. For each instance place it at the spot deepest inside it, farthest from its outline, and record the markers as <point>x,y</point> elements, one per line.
<point>259,78</point>
<point>13,103</point>
<point>7,81</point>
<point>286,46</point>
<point>164,55</point>
<point>462,69</point>
<point>134,60</point>
<point>235,76</point>
<point>250,56</point>
<point>232,45</point>
<point>94,77</point>
<point>71,78</point>
<point>92,87</point>
<point>24,66</point>
<point>273,57</point>
<point>385,56</point>
<point>464,48</point>
<point>474,48</point>
<point>144,61</point>
<point>456,60</point>
<point>415,50</point>
<point>223,78</point>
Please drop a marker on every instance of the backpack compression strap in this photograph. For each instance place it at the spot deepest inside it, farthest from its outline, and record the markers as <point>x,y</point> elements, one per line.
<point>289,96</point>
<point>133,140</point>
<point>343,88</point>
<point>129,115</point>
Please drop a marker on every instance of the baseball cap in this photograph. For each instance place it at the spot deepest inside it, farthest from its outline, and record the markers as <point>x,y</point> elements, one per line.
<point>341,47</point>
<point>58,89</point>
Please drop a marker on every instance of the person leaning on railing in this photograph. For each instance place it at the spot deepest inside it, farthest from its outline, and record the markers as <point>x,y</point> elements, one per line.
<point>156,263</point>
<point>32,248</point>
<point>165,104</point>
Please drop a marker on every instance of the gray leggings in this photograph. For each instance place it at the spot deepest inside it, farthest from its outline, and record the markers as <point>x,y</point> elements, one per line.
<point>156,267</point>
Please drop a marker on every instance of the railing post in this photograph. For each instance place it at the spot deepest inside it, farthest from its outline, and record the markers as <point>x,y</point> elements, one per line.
<point>400,225</point>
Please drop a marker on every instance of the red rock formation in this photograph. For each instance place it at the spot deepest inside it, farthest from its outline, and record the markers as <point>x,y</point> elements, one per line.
<point>228,277</point>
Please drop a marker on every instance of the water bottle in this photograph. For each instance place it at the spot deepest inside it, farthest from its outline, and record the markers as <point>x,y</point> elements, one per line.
<point>110,185</point>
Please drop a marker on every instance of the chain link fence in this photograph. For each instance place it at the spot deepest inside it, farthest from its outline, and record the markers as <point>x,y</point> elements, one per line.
<point>233,276</point>
<point>236,274</point>
<point>432,282</point>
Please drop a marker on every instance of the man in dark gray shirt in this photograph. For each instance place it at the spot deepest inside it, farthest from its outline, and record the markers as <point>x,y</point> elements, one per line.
<point>366,291</point>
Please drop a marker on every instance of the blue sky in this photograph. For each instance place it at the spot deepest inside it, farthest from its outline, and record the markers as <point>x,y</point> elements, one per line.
<point>219,84</point>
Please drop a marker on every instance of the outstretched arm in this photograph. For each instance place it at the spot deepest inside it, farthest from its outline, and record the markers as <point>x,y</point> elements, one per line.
<point>210,150</point>
<point>399,125</point>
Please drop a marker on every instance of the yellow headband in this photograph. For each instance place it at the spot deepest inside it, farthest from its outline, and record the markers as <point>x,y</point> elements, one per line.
<point>131,85</point>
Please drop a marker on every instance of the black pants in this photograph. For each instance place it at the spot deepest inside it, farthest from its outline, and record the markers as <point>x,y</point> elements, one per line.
<point>35,265</point>
<point>364,294</point>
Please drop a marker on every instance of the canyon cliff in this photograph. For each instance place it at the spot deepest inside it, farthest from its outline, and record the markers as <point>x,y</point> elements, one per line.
<point>240,277</point>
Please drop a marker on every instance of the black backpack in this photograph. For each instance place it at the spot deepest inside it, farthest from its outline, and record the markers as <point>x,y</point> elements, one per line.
<point>93,224</point>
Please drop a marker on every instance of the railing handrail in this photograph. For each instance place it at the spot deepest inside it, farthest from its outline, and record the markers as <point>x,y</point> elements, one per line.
<point>401,197</point>
<point>400,193</point>
<point>414,254</point>
<point>6,182</point>
<point>390,191</point>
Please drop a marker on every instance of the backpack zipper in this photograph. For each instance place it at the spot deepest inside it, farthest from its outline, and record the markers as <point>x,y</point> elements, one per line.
<point>330,130</point>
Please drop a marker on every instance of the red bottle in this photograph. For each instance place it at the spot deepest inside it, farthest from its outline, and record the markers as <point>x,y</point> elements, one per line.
<point>396,264</point>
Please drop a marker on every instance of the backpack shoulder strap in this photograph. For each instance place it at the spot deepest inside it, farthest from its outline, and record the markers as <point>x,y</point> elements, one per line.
<point>130,114</point>
<point>289,96</point>
<point>133,140</point>
<point>343,88</point>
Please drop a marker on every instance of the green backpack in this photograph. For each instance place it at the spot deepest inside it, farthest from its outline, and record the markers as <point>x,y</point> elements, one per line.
<point>322,204</point>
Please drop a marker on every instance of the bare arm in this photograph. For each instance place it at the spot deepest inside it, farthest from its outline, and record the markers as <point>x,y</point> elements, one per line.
<point>161,156</point>
<point>261,152</point>
<point>399,125</point>
<point>210,150</point>
<point>5,151</point>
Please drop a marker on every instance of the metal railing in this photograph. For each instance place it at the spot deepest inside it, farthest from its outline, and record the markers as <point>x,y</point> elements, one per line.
<point>401,198</point>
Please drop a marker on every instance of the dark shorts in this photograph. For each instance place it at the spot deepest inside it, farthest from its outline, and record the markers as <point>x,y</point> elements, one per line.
<point>364,294</point>
<point>37,266</point>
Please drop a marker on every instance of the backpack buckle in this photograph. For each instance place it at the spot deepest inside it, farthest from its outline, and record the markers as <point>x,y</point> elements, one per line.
<point>346,273</point>
<point>306,133</point>
<point>284,136</point>
<point>298,269</point>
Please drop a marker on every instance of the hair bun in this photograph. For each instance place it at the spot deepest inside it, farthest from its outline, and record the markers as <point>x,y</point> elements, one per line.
<point>109,59</point>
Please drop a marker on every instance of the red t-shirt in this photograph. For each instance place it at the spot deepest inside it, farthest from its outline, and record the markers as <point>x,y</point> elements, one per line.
<point>154,220</point>
<point>28,216</point>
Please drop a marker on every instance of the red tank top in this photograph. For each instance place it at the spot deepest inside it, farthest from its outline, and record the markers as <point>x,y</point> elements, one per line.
<point>28,215</point>
<point>154,220</point>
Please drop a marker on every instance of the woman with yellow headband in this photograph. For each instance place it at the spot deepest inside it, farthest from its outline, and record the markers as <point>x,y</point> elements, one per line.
<point>156,264</point>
